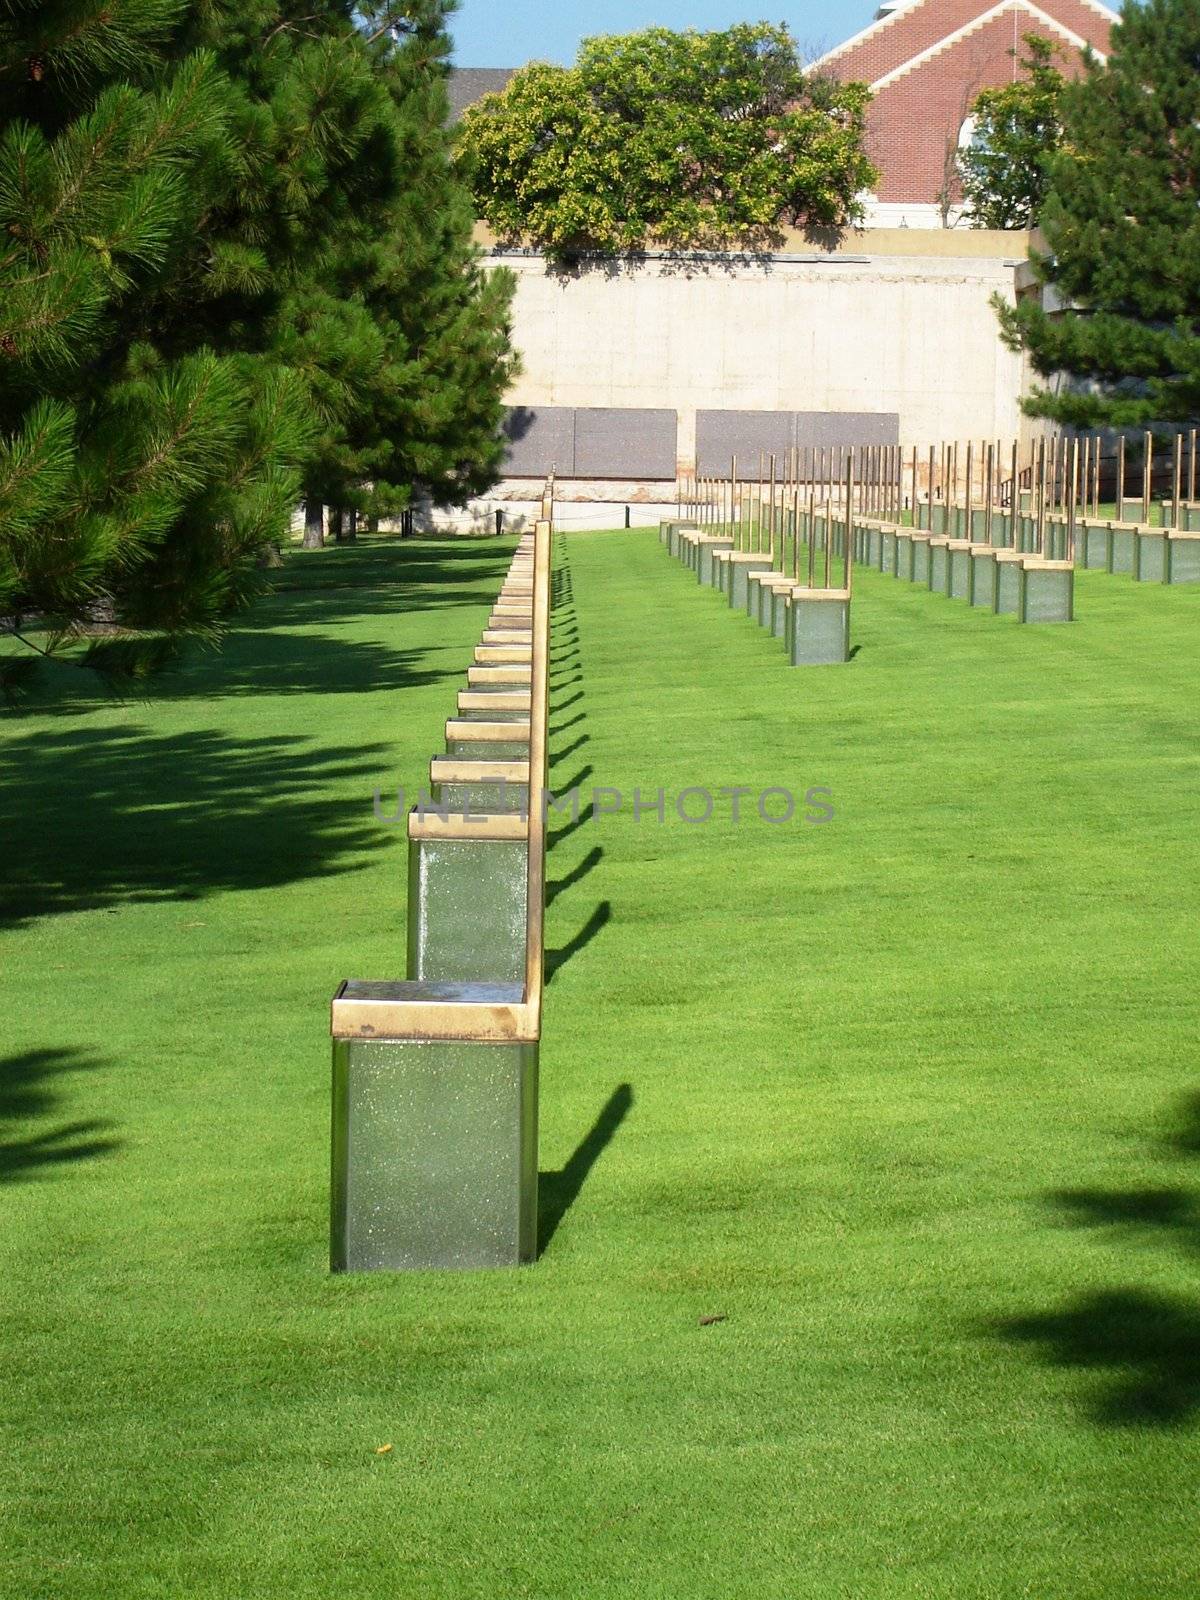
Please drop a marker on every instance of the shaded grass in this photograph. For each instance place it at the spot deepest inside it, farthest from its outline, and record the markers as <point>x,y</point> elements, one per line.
<point>910,1098</point>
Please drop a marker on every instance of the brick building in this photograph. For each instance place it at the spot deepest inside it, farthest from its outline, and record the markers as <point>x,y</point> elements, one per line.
<point>926,60</point>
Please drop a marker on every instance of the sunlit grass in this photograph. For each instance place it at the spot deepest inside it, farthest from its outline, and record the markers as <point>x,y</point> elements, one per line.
<point>908,1099</point>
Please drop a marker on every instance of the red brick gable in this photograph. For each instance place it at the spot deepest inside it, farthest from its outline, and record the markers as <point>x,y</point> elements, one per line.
<point>927,62</point>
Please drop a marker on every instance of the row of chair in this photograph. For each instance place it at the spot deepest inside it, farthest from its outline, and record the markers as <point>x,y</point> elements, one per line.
<point>1147,552</point>
<point>993,569</point>
<point>812,619</point>
<point>434,1160</point>
<point>1002,576</point>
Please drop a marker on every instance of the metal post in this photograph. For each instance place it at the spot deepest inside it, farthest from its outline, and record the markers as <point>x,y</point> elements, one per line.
<point>988,490</point>
<point>953,498</point>
<point>1072,499</point>
<point>929,490</point>
<point>1147,474</point>
<point>847,566</point>
<point>1097,471</point>
<point>915,523</point>
<point>812,535</point>
<point>771,516</point>
<point>1040,537</point>
<point>970,497</point>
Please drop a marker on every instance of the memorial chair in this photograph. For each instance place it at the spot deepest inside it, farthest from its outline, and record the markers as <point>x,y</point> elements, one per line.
<point>434,1127</point>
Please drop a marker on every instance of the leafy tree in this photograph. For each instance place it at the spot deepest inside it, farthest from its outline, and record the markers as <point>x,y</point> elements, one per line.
<point>1004,171</point>
<point>1122,224</point>
<point>402,339</point>
<point>436,411</point>
<point>685,139</point>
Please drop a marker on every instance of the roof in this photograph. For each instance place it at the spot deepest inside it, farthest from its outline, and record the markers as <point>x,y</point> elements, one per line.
<point>906,31</point>
<point>469,84</point>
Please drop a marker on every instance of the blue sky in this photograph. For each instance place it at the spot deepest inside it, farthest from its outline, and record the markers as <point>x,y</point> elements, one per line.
<point>507,33</point>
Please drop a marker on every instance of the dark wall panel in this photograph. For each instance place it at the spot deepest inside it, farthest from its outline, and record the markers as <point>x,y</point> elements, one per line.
<point>721,435</point>
<point>625,443</point>
<point>825,428</point>
<point>642,443</point>
<point>591,442</point>
<point>541,440</point>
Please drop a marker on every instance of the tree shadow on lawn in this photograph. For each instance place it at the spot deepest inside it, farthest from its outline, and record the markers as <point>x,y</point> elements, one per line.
<point>28,1094</point>
<point>342,586</point>
<point>270,661</point>
<point>1147,1341</point>
<point>259,656</point>
<point>382,578</point>
<point>94,815</point>
<point>558,1191</point>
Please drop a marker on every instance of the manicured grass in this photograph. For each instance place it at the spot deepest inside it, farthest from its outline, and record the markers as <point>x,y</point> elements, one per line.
<point>910,1099</point>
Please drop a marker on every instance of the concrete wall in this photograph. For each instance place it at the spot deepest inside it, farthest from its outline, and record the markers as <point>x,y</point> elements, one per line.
<point>883,321</point>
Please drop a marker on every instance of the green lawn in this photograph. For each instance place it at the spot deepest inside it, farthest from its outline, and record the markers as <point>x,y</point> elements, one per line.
<point>911,1099</point>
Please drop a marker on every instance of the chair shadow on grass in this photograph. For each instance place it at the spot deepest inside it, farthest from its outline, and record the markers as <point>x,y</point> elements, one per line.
<point>557,886</point>
<point>561,835</point>
<point>558,1191</point>
<point>29,1093</point>
<point>1146,1341</point>
<point>570,749</point>
<point>595,924</point>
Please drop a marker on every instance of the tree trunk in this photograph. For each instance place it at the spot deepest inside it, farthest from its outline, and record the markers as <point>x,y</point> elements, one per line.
<point>314,525</point>
<point>350,526</point>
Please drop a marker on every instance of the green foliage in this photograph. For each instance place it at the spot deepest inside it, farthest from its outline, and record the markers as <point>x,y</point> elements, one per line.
<point>235,263</point>
<point>685,139</point>
<point>1122,223</point>
<point>1018,127</point>
<point>142,468</point>
<point>409,370</point>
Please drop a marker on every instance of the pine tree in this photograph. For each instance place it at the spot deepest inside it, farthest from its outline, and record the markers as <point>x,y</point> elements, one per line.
<point>430,398</point>
<point>139,477</point>
<point>1122,223</point>
<point>236,263</point>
